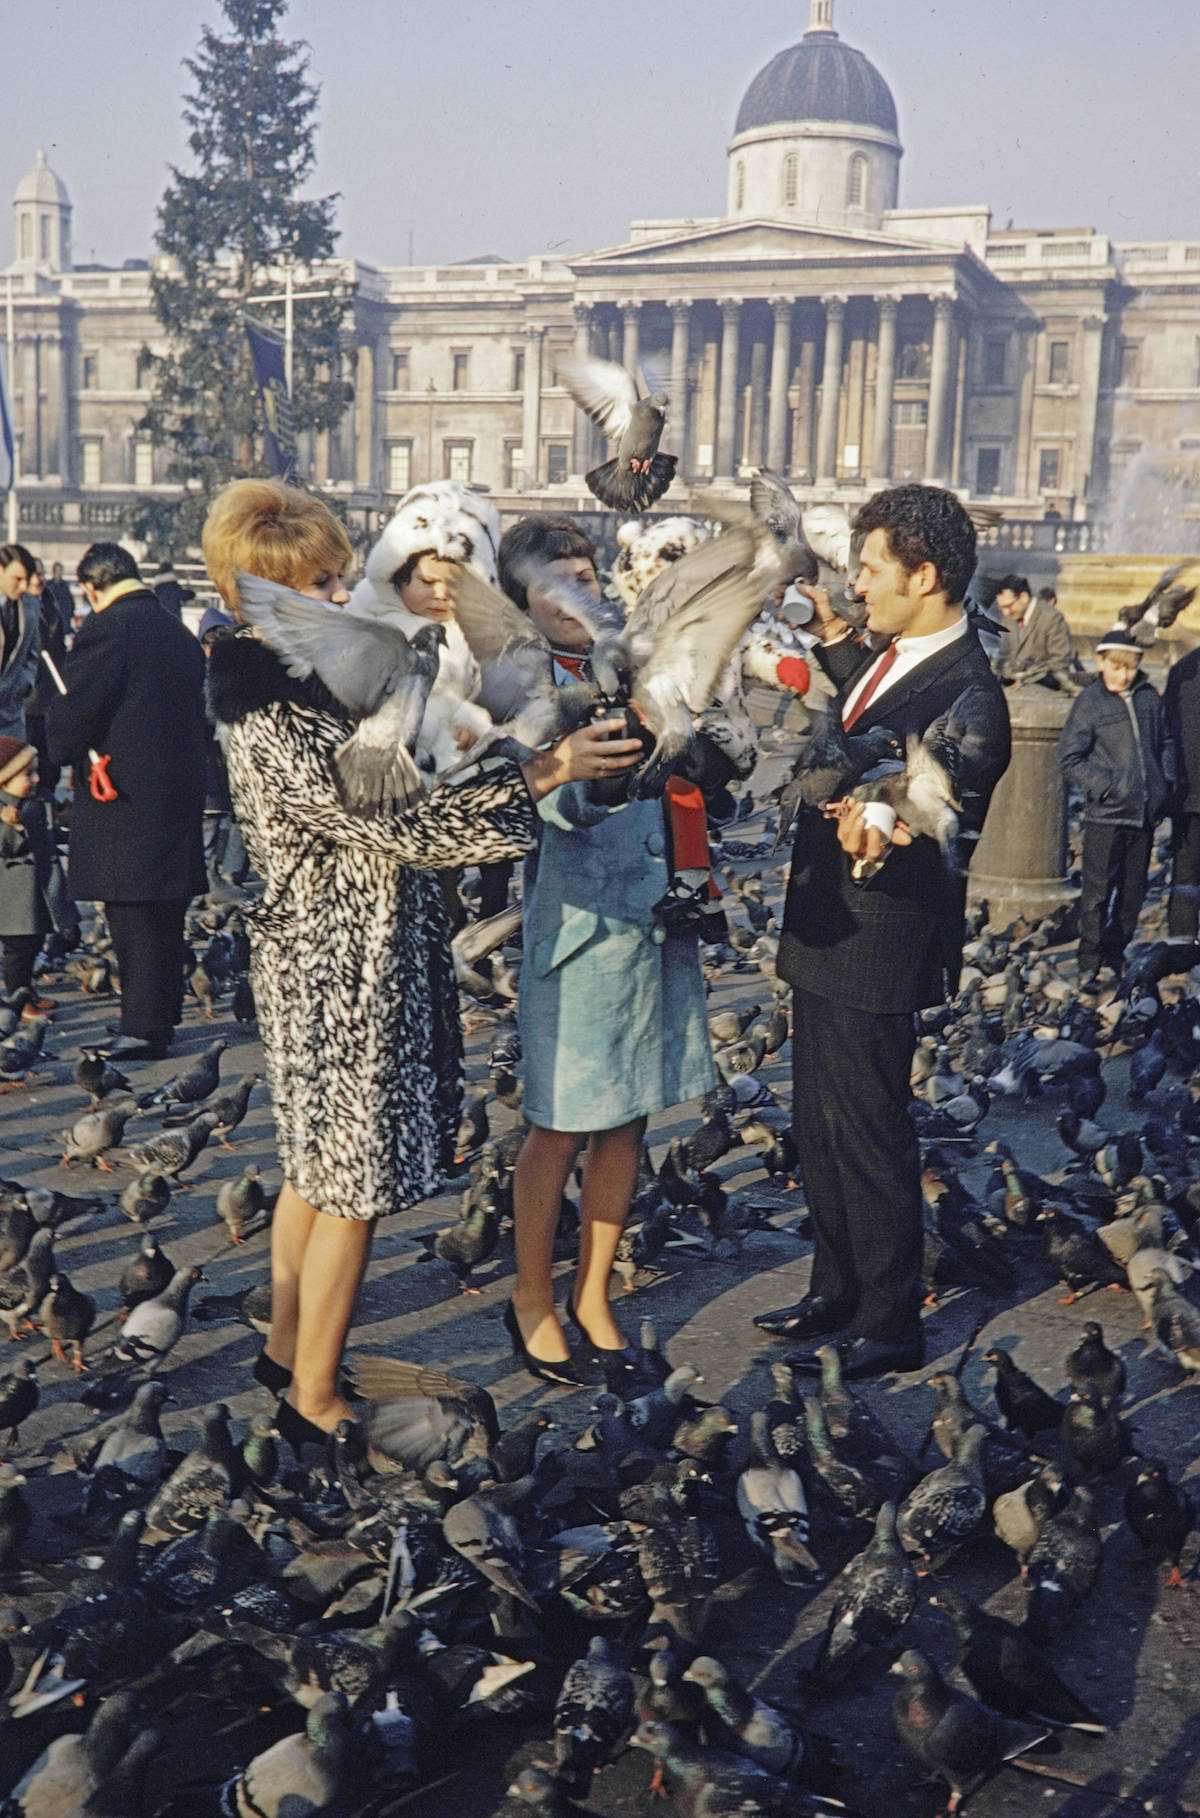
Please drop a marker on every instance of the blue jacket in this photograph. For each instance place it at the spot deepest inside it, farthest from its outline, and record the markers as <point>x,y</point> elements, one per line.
<point>594,864</point>
<point>20,673</point>
<point>1116,750</point>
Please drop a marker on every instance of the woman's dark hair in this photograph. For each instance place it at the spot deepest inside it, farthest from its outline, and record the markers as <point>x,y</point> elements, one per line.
<point>104,564</point>
<point>17,552</point>
<point>924,524</point>
<point>544,536</point>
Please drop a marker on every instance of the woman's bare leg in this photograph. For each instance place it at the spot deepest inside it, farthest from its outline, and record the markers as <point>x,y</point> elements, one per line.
<point>609,1177</point>
<point>543,1169</point>
<point>335,1258</point>
<point>290,1228</point>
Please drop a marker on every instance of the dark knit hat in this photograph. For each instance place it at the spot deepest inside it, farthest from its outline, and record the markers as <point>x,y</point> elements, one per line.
<point>15,756</point>
<point>1120,639</point>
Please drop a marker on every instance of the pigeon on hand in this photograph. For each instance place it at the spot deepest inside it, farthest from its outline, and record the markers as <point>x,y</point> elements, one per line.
<point>638,474</point>
<point>830,764</point>
<point>813,535</point>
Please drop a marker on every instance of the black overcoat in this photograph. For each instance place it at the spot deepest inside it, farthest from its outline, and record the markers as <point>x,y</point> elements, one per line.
<point>135,690</point>
<point>895,943</point>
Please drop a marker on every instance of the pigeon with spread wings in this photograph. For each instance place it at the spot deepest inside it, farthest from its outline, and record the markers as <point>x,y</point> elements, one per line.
<point>813,535</point>
<point>638,474</point>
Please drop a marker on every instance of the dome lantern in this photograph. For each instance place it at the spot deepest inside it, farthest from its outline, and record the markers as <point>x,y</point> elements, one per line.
<point>42,219</point>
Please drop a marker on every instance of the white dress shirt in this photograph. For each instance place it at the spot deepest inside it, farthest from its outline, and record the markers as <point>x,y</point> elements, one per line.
<point>909,652</point>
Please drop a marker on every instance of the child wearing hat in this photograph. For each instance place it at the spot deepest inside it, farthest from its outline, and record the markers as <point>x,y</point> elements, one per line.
<point>33,894</point>
<point>1116,751</point>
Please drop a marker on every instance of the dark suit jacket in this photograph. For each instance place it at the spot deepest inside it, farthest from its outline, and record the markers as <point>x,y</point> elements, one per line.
<point>135,690</point>
<point>895,943</point>
<point>1181,699</point>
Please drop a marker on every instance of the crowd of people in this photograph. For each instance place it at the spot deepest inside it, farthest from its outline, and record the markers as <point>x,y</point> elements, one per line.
<point>196,758</point>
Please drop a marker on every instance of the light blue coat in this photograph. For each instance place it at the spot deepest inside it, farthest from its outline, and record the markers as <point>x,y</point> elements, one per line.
<point>613,1017</point>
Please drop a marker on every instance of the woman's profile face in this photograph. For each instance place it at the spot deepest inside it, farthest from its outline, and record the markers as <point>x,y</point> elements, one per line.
<point>328,587</point>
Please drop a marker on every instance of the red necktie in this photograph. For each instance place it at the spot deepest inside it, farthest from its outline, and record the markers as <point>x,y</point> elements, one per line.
<point>864,700</point>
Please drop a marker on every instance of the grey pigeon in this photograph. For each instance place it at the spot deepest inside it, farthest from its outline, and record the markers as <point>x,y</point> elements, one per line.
<point>774,1509</point>
<point>19,1396</point>
<point>485,1529</point>
<point>874,1597</point>
<point>146,1275</point>
<point>23,1288</point>
<point>95,1075</point>
<point>66,1774</point>
<point>199,1082</point>
<point>201,1482</point>
<point>239,1203</point>
<point>952,1736</point>
<point>132,1442</point>
<point>66,1316</point>
<point>92,1136</point>
<point>949,1506</point>
<point>174,1151</point>
<point>592,1714</point>
<point>300,1774</point>
<point>145,1197</point>
<point>154,1327</point>
<point>638,474</point>
<point>743,1723</point>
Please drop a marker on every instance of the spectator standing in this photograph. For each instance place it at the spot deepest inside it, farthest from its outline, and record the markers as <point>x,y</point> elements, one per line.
<point>58,589</point>
<point>19,615</point>
<point>1115,749</point>
<point>172,594</point>
<point>1182,703</point>
<point>52,637</point>
<point>1038,648</point>
<point>33,895</point>
<point>134,695</point>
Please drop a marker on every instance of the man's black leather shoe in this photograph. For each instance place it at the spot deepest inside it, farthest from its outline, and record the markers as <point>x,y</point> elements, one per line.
<point>134,1048</point>
<point>811,1317</point>
<point>866,1357</point>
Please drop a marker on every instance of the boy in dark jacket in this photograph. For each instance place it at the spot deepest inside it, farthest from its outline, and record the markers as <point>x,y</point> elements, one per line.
<point>1181,699</point>
<point>33,897</point>
<point>1116,751</point>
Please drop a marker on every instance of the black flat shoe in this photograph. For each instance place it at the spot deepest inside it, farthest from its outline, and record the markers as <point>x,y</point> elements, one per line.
<point>270,1374</point>
<point>810,1317</point>
<point>565,1374</point>
<point>135,1048</point>
<point>863,1358</point>
<point>299,1432</point>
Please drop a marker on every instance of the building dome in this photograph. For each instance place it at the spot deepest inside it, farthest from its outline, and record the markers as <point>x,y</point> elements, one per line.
<point>41,184</point>
<point>817,137</point>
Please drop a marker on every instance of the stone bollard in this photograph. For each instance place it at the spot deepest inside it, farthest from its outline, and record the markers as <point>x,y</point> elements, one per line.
<point>1020,863</point>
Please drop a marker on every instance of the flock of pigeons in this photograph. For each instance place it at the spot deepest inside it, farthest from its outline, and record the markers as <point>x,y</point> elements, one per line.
<point>214,1625</point>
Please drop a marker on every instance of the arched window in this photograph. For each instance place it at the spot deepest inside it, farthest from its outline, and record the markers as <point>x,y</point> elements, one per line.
<point>791,180</point>
<point>856,182</point>
<point>739,185</point>
<point>45,254</point>
<point>27,236</point>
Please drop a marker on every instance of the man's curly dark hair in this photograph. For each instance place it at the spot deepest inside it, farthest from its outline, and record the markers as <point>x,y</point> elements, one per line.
<point>544,536</point>
<point>923,524</point>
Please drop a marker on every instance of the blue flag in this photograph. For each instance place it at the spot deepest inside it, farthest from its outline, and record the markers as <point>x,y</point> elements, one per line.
<point>8,455</point>
<point>279,435</point>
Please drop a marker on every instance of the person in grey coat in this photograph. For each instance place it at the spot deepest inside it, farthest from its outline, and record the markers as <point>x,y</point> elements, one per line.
<point>33,894</point>
<point>1038,647</point>
<point>19,639</point>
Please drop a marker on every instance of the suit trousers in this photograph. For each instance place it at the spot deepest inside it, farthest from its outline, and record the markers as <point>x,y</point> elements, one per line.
<point>148,938</point>
<point>859,1161</point>
<point>1116,861</point>
<point>1183,912</point>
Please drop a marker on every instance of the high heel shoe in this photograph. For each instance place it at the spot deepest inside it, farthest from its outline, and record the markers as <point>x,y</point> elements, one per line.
<point>564,1373</point>
<point>271,1375</point>
<point>292,1426</point>
<point>614,1363</point>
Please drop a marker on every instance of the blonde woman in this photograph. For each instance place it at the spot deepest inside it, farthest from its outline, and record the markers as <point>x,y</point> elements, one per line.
<point>351,968</point>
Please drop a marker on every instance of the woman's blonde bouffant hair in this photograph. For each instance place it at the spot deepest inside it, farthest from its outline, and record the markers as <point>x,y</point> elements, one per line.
<point>266,528</point>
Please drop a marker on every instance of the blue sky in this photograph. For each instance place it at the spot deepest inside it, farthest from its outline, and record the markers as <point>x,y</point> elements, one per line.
<point>505,126</point>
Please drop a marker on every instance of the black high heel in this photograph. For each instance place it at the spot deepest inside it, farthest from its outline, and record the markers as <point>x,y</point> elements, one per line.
<point>625,1354</point>
<point>292,1426</point>
<point>271,1375</point>
<point>565,1374</point>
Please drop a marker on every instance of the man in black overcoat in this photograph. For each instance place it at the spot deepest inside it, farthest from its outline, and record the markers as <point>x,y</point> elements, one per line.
<point>863,957</point>
<point>135,681</point>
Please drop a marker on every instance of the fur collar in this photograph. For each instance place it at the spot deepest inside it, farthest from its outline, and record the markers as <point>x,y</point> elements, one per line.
<point>245,675</point>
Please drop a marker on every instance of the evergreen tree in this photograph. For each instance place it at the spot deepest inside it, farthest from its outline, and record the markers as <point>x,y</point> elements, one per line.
<point>224,231</point>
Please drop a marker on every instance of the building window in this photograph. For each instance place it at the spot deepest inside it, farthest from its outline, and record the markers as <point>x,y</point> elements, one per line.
<point>739,185</point>
<point>1049,467</point>
<point>791,180</point>
<point>89,376</point>
<point>400,373</point>
<point>558,460</point>
<point>27,236</point>
<point>45,251</point>
<point>399,466</point>
<point>914,360</point>
<point>518,369</point>
<point>1060,362</point>
<point>459,369</point>
<point>912,413</point>
<point>856,182</point>
<point>93,472</point>
<point>995,360</point>
<point>1130,372</point>
<point>143,373</point>
<point>987,471</point>
<point>514,467</point>
<point>456,461</point>
<point>143,462</point>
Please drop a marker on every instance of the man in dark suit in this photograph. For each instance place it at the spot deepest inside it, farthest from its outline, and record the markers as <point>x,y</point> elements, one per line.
<point>135,682</point>
<point>863,956</point>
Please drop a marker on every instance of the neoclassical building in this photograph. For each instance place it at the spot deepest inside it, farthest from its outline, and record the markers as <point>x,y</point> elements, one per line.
<point>818,325</point>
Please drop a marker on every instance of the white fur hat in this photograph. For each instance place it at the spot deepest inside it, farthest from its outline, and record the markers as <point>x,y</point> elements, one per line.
<point>645,549</point>
<point>443,517</point>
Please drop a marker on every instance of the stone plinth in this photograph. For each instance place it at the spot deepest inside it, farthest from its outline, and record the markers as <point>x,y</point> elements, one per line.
<point>1020,864</point>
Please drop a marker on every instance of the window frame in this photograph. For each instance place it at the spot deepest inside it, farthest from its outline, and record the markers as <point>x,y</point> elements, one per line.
<point>457,354</point>
<point>994,345</point>
<point>1062,347</point>
<point>1053,451</point>
<point>552,449</point>
<point>452,445</point>
<point>401,360</point>
<point>393,446</point>
<point>982,491</point>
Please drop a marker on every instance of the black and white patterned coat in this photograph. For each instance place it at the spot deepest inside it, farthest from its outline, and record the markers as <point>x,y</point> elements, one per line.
<point>351,968</point>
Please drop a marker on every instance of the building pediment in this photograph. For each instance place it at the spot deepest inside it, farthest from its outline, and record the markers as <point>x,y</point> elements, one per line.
<point>737,242</point>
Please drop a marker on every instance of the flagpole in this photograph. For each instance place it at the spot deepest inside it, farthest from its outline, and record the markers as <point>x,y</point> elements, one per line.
<point>10,365</point>
<point>287,323</point>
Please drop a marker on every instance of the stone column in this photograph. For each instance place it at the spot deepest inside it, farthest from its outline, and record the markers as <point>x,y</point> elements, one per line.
<point>940,368</point>
<point>581,456</point>
<point>1020,863</point>
<point>831,385</point>
<point>613,337</point>
<point>1091,349</point>
<point>726,450</point>
<point>781,372</point>
<point>531,408</point>
<point>756,404</point>
<point>962,382</point>
<point>364,415</point>
<point>677,421</point>
<point>630,336</point>
<point>885,392</point>
<point>805,421</point>
<point>1027,351</point>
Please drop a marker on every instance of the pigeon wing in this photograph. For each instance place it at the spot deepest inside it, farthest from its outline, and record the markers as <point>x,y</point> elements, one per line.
<point>361,661</point>
<point>603,390</point>
<point>775,505</point>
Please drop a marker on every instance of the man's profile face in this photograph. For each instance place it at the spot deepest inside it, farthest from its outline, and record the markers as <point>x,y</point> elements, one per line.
<point>893,597</point>
<point>14,580</point>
